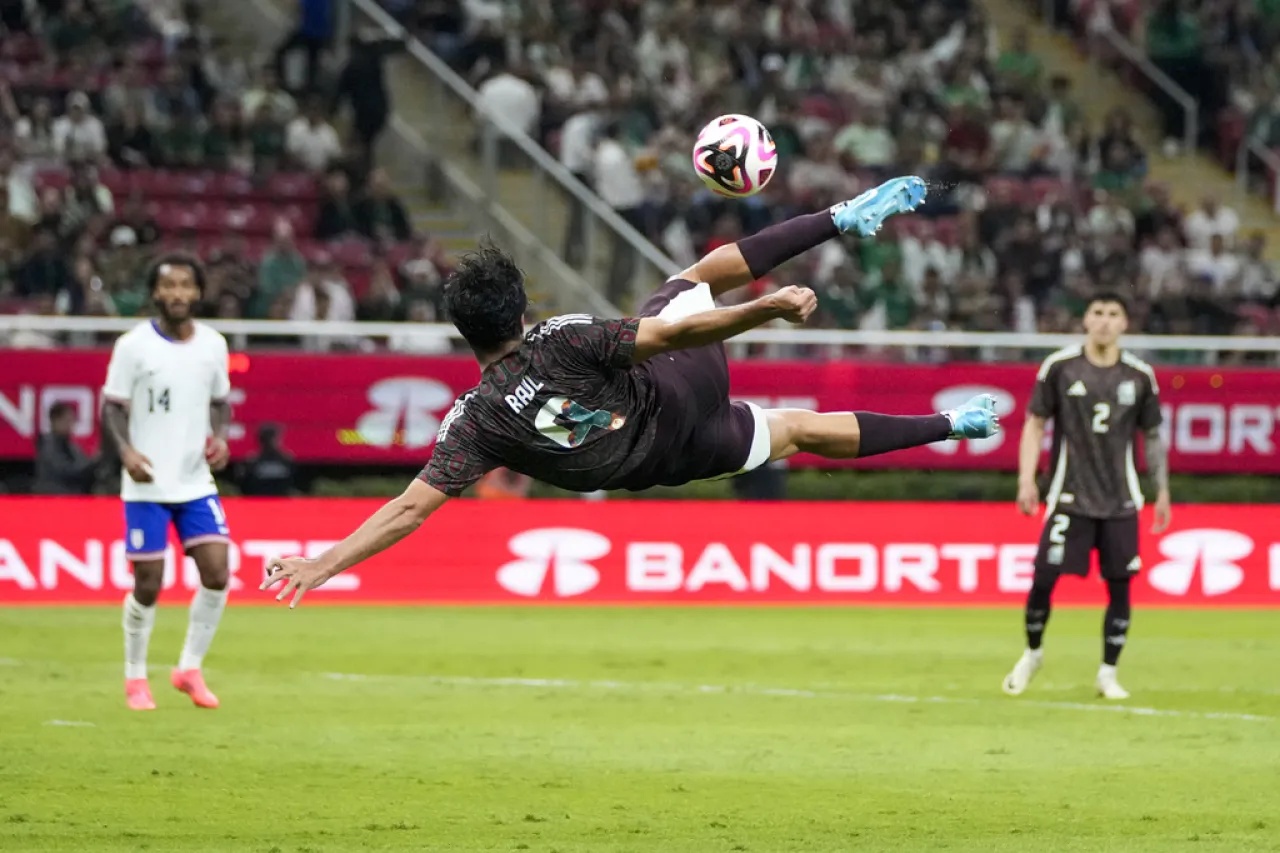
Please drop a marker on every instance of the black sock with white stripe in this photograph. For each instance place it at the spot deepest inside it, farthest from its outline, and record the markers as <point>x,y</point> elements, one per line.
<point>1115,624</point>
<point>1039,603</point>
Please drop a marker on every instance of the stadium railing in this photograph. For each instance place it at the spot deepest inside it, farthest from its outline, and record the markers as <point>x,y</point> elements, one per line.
<point>1125,49</point>
<point>502,146</point>
<point>419,163</point>
<point>1249,149</point>
<point>241,332</point>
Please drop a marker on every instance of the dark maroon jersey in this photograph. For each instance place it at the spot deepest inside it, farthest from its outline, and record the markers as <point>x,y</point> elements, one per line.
<point>1097,413</point>
<point>570,409</point>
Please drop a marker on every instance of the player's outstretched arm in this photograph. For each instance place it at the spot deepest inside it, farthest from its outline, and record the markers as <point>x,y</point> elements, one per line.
<point>1158,468</point>
<point>1028,462</point>
<point>655,335</point>
<point>394,521</point>
<point>729,267</point>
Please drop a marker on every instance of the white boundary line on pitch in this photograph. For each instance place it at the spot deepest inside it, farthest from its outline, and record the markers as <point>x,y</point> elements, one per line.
<point>785,692</point>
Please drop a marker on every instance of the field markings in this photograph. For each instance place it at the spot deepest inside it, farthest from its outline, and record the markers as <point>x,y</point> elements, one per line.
<point>788,693</point>
<point>73,723</point>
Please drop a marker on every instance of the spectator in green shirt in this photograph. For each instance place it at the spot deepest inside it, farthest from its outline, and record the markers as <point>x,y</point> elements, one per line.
<point>266,133</point>
<point>892,293</point>
<point>281,269</point>
<point>182,143</point>
<point>1017,66</point>
<point>223,135</point>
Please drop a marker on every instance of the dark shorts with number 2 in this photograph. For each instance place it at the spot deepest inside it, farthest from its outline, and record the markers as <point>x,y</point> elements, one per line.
<point>1068,541</point>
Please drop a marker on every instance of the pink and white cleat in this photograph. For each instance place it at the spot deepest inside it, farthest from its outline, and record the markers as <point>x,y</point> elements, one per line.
<point>191,682</point>
<point>137,693</point>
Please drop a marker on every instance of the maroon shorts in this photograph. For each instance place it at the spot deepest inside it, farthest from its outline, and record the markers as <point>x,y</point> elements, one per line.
<point>715,437</point>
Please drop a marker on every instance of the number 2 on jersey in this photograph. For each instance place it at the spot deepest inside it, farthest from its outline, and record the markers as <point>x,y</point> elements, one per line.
<point>1101,411</point>
<point>154,402</point>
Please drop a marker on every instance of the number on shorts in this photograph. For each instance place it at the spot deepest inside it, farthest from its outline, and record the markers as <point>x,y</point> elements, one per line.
<point>218,517</point>
<point>1101,411</point>
<point>1058,532</point>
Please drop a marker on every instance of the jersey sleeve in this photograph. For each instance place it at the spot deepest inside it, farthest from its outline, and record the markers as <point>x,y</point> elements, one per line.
<point>1150,416</point>
<point>122,372</point>
<point>1044,396</point>
<point>222,377</point>
<point>595,341</point>
<point>456,461</point>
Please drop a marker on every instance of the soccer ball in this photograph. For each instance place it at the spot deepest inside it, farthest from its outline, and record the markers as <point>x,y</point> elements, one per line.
<point>734,156</point>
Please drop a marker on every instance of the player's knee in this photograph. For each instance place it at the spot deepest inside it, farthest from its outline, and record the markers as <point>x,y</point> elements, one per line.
<point>1118,592</point>
<point>215,575</point>
<point>147,580</point>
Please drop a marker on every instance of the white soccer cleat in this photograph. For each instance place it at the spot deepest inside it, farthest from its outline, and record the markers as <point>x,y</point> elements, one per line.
<point>1108,686</point>
<point>1023,671</point>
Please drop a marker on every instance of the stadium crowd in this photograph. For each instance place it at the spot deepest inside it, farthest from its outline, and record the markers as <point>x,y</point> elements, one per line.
<point>1031,208</point>
<point>126,128</point>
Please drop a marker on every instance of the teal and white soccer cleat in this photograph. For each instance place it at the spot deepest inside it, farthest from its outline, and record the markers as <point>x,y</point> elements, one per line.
<point>865,214</point>
<point>975,419</point>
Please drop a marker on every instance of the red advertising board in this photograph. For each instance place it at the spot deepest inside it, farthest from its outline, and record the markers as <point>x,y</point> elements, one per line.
<point>71,550</point>
<point>385,409</point>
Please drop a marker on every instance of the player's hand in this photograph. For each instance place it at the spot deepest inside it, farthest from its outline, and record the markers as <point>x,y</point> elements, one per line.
<point>298,575</point>
<point>794,304</point>
<point>216,453</point>
<point>1028,498</point>
<point>136,465</point>
<point>1164,513</point>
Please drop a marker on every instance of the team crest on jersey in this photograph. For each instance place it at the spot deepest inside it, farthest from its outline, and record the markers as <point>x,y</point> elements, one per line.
<point>1127,393</point>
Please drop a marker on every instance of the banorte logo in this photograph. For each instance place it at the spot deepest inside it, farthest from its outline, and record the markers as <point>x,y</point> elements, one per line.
<point>957,395</point>
<point>1214,552</point>
<point>405,412</point>
<point>559,553</point>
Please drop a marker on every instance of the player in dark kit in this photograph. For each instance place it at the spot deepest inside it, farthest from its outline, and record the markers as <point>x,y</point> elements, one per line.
<point>586,403</point>
<point>1099,398</point>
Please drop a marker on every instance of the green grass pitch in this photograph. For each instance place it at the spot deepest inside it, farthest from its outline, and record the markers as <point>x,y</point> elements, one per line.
<point>611,730</point>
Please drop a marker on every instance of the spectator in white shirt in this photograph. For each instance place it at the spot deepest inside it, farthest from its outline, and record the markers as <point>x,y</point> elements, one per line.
<point>510,99</point>
<point>1208,220</point>
<point>323,296</point>
<point>79,135</point>
<point>311,141</point>
<point>1159,263</point>
<point>1217,264</point>
<point>23,203</point>
<point>1258,280</point>
<point>618,183</point>
<point>577,154</point>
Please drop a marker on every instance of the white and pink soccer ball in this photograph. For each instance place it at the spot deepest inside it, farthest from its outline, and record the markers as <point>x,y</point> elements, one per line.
<point>734,156</point>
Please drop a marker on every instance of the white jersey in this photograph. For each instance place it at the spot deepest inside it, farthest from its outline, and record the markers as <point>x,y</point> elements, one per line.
<point>168,386</point>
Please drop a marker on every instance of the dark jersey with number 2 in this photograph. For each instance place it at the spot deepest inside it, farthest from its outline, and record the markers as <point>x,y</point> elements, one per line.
<point>1096,413</point>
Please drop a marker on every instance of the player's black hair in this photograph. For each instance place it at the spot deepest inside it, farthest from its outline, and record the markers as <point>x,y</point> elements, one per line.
<point>1108,296</point>
<point>177,259</point>
<point>485,299</point>
<point>60,408</point>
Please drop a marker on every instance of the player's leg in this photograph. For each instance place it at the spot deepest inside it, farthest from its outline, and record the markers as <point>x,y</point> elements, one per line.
<point>773,246</point>
<point>146,531</point>
<point>1066,543</point>
<point>1119,561</point>
<point>202,529</point>
<point>856,435</point>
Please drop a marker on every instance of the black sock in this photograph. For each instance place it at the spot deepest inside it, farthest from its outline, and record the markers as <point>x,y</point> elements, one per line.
<point>1039,603</point>
<point>1115,625</point>
<point>779,243</point>
<point>887,433</point>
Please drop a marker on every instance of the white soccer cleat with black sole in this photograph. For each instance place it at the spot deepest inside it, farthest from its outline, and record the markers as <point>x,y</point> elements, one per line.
<point>1023,671</point>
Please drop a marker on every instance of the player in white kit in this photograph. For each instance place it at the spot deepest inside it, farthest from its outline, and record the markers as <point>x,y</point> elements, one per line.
<point>166,408</point>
